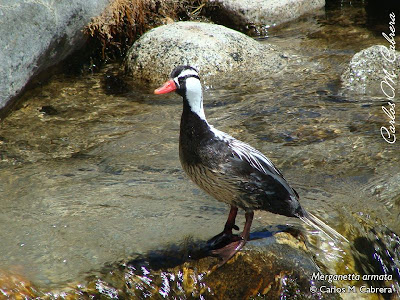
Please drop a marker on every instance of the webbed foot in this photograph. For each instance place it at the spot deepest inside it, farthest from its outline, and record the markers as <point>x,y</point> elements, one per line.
<point>223,239</point>
<point>225,245</point>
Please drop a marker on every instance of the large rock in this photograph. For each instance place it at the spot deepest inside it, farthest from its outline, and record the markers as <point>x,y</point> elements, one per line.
<point>218,52</point>
<point>271,267</point>
<point>366,71</point>
<point>260,13</point>
<point>36,35</point>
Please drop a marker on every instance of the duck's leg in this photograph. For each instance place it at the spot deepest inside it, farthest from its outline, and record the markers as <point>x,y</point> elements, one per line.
<point>226,236</point>
<point>226,252</point>
<point>230,223</point>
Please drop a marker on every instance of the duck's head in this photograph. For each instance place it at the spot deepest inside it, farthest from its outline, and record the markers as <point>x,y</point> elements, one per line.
<point>185,81</point>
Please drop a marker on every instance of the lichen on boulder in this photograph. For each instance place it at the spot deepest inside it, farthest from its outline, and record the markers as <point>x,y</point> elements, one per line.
<point>218,52</point>
<point>368,68</point>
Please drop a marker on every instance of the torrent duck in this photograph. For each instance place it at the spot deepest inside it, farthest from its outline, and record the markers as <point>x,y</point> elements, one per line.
<point>230,170</point>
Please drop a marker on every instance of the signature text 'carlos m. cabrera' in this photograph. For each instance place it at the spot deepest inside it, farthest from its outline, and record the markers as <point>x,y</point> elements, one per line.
<point>388,83</point>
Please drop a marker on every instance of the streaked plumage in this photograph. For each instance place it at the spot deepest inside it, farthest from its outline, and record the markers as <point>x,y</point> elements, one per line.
<point>230,170</point>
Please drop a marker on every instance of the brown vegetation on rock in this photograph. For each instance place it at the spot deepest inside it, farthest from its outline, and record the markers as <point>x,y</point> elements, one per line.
<point>125,20</point>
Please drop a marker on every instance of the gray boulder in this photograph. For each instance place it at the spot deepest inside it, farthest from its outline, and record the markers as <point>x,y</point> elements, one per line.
<point>366,71</point>
<point>36,35</point>
<point>221,54</point>
<point>260,13</point>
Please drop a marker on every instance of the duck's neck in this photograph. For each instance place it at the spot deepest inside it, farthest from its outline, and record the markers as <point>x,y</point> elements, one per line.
<point>193,118</point>
<point>194,97</point>
<point>194,132</point>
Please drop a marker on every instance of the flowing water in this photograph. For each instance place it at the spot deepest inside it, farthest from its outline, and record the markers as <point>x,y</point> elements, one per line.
<point>90,172</point>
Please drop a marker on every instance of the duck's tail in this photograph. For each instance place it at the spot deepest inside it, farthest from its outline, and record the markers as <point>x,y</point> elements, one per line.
<point>313,221</point>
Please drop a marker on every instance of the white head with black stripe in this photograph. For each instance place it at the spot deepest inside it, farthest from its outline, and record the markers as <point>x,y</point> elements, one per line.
<point>186,82</point>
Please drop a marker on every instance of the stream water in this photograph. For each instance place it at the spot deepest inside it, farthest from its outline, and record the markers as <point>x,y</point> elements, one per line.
<point>90,172</point>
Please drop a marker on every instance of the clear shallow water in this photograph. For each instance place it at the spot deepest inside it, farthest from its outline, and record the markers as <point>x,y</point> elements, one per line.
<point>91,175</point>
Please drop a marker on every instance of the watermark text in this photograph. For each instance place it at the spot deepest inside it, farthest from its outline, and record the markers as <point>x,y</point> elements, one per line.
<point>388,133</point>
<point>363,289</point>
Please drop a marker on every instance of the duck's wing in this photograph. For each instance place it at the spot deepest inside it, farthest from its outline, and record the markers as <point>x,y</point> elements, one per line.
<point>247,153</point>
<point>249,159</point>
<point>254,157</point>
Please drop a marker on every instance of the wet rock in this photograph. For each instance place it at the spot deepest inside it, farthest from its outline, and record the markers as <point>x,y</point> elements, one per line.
<point>275,266</point>
<point>377,253</point>
<point>243,15</point>
<point>368,68</point>
<point>36,35</point>
<point>218,52</point>
<point>14,286</point>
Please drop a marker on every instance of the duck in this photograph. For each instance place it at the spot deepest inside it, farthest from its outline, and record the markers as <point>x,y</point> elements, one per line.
<point>229,170</point>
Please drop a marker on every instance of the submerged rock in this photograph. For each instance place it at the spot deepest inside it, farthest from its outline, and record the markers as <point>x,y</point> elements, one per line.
<point>369,67</point>
<point>217,51</point>
<point>260,13</point>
